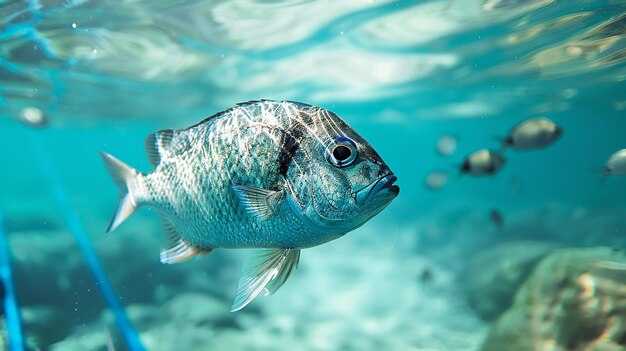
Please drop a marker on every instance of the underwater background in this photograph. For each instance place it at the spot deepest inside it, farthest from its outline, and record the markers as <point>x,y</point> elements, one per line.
<point>530,258</point>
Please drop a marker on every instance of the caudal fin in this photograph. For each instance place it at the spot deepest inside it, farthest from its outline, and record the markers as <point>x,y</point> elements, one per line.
<point>126,179</point>
<point>504,143</point>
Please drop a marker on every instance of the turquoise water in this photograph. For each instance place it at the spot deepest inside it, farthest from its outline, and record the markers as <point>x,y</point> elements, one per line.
<point>402,73</point>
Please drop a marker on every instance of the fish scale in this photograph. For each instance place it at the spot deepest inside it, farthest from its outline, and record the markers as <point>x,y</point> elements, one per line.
<point>227,227</point>
<point>262,174</point>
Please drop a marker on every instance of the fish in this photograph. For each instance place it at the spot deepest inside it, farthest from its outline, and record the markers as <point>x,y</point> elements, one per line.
<point>278,176</point>
<point>483,162</point>
<point>426,276</point>
<point>495,216</point>
<point>446,145</point>
<point>531,134</point>
<point>436,180</point>
<point>616,164</point>
<point>33,117</point>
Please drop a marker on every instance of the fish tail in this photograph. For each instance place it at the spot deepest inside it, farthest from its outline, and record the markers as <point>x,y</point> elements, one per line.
<point>126,179</point>
<point>503,143</point>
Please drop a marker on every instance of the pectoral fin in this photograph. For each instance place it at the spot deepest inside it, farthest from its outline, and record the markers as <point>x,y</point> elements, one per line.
<point>261,203</point>
<point>267,270</point>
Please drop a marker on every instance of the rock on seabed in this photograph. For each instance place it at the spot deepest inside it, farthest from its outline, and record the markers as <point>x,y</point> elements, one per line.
<point>575,300</point>
<point>494,275</point>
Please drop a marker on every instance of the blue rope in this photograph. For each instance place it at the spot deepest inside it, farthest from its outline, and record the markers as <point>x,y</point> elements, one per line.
<point>11,310</point>
<point>130,335</point>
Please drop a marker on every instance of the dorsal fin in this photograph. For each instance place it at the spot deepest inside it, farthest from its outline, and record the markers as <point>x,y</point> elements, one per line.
<point>216,116</point>
<point>156,145</point>
<point>251,102</point>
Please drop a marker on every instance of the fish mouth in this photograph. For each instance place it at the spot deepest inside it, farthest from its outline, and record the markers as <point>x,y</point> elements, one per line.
<point>382,187</point>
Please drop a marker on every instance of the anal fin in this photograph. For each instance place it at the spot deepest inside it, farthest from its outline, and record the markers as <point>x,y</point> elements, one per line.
<point>179,249</point>
<point>180,252</point>
<point>267,270</point>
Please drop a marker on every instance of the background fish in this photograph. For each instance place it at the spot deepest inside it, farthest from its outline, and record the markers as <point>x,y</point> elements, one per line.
<point>483,162</point>
<point>495,216</point>
<point>264,174</point>
<point>534,133</point>
<point>616,164</point>
<point>33,117</point>
<point>436,180</point>
<point>446,145</point>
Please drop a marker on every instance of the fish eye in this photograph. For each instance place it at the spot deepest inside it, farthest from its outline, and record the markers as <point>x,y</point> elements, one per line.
<point>341,152</point>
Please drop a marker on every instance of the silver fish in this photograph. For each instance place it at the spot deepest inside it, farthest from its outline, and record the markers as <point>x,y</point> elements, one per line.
<point>616,164</point>
<point>436,180</point>
<point>483,162</point>
<point>277,175</point>
<point>446,145</point>
<point>534,133</point>
<point>33,117</point>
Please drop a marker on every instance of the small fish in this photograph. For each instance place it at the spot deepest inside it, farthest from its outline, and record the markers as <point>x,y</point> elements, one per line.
<point>495,216</point>
<point>616,164</point>
<point>446,145</point>
<point>483,162</point>
<point>426,276</point>
<point>436,180</point>
<point>33,117</point>
<point>534,133</point>
<point>276,175</point>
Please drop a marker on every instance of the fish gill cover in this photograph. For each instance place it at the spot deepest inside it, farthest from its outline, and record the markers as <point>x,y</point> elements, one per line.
<point>437,270</point>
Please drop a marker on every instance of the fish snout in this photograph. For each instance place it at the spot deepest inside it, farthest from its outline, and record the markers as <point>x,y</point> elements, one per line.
<point>558,132</point>
<point>378,188</point>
